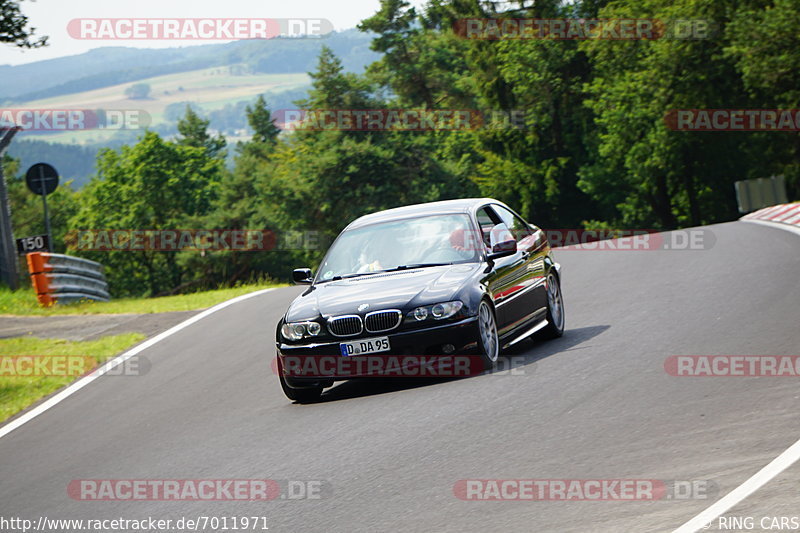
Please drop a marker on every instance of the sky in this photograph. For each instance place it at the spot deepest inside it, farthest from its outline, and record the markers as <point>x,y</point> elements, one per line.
<point>50,17</point>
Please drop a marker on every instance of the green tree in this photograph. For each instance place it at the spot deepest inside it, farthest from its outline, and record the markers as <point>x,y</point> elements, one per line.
<point>651,175</point>
<point>400,68</point>
<point>533,163</point>
<point>138,91</point>
<point>193,131</point>
<point>153,185</point>
<point>14,27</point>
<point>530,154</point>
<point>261,122</point>
<point>324,179</point>
<point>315,182</point>
<point>333,88</point>
<point>764,43</point>
<point>240,200</point>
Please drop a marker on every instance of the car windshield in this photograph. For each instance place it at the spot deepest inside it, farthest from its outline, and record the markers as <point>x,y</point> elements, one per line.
<point>407,243</point>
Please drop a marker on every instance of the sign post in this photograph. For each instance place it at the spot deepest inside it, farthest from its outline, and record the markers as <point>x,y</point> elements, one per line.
<point>43,179</point>
<point>8,260</point>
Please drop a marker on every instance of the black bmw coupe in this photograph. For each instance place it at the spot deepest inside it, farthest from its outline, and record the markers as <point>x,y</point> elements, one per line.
<point>421,283</point>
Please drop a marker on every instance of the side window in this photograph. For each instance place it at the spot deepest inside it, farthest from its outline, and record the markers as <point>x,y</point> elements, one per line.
<point>486,224</point>
<point>517,226</point>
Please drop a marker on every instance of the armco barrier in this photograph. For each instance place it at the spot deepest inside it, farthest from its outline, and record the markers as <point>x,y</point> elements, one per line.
<point>59,278</point>
<point>759,193</point>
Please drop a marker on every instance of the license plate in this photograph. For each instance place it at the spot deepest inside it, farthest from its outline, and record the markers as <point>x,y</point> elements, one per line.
<point>365,346</point>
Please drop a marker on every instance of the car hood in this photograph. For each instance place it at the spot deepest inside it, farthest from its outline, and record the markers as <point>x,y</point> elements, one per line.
<point>391,290</point>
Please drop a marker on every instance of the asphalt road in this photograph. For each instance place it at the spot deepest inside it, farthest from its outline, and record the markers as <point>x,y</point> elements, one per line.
<point>595,404</point>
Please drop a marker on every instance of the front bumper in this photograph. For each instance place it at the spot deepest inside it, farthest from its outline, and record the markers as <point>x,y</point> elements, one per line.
<point>427,342</point>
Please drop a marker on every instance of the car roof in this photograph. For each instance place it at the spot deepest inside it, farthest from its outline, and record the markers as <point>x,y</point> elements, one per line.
<point>461,205</point>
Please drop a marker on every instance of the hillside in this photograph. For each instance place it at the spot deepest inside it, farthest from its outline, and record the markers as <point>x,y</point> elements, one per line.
<point>108,66</point>
<point>207,90</point>
<point>218,81</point>
<point>214,93</point>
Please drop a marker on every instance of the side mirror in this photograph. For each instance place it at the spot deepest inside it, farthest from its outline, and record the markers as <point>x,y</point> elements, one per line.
<point>503,249</point>
<point>302,276</point>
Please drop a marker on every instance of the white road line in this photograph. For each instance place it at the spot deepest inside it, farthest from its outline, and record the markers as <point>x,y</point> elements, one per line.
<point>763,476</point>
<point>778,465</point>
<point>81,383</point>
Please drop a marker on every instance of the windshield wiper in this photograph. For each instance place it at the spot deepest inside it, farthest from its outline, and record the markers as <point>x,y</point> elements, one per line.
<point>354,275</point>
<point>415,265</point>
<point>395,269</point>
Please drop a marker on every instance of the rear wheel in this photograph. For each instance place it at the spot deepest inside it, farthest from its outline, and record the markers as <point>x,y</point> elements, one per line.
<point>555,309</point>
<point>488,342</point>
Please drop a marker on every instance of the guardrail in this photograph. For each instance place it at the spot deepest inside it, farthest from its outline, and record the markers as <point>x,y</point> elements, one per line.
<point>761,192</point>
<point>59,278</point>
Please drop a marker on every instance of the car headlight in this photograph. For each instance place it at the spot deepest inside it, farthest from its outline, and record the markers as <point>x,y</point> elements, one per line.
<point>294,331</point>
<point>437,311</point>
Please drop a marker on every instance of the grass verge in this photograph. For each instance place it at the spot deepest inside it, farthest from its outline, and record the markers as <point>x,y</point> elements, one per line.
<point>18,391</point>
<point>23,302</point>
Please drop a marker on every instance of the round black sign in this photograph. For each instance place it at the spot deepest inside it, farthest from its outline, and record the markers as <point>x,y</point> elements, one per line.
<point>42,178</point>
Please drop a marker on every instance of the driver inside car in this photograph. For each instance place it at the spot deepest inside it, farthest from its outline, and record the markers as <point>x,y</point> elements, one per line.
<point>369,260</point>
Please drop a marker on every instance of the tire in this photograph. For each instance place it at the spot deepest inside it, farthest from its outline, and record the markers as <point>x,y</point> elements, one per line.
<point>310,395</point>
<point>555,309</point>
<point>488,339</point>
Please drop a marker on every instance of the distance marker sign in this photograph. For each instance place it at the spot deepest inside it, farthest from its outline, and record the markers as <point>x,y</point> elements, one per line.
<point>36,243</point>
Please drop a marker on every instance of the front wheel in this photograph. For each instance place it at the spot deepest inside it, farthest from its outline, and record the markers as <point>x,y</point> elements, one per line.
<point>488,342</point>
<point>310,395</point>
<point>555,309</point>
